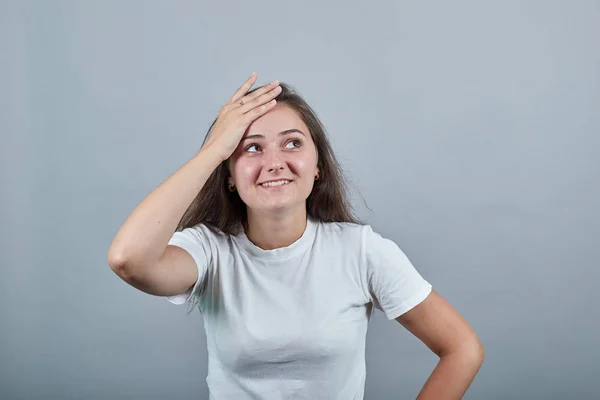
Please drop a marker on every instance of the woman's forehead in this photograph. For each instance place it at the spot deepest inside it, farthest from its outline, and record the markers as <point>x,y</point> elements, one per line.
<point>279,119</point>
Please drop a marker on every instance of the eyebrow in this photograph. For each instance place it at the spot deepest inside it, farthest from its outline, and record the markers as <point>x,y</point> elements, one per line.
<point>286,132</point>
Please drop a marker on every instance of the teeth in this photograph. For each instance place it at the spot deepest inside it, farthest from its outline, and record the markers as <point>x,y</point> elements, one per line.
<point>276,183</point>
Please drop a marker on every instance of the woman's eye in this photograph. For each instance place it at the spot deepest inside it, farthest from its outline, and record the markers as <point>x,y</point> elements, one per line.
<point>251,146</point>
<point>295,142</point>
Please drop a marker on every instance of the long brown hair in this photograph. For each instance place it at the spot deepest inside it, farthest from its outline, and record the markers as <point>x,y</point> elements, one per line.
<point>216,206</point>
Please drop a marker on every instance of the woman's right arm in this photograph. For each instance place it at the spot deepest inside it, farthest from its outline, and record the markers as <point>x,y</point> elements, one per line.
<point>139,252</point>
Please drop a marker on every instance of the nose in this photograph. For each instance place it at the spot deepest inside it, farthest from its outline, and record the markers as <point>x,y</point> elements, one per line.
<point>274,162</point>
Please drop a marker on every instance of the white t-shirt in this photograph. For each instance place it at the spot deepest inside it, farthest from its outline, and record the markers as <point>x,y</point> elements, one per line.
<point>291,323</point>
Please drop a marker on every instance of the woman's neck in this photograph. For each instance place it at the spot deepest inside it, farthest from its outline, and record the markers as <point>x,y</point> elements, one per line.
<point>272,232</point>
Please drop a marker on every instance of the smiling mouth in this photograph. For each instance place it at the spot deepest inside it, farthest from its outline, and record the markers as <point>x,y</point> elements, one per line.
<point>275,184</point>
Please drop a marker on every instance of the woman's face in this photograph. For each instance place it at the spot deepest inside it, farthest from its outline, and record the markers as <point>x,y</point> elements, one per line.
<point>275,147</point>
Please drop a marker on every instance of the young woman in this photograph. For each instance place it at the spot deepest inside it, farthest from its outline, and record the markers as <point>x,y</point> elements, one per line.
<point>256,231</point>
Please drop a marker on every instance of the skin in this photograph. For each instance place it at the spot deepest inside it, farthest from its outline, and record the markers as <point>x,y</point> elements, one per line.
<point>276,216</point>
<point>441,328</point>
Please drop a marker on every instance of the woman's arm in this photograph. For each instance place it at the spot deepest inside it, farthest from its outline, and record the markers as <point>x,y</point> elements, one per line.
<point>437,324</point>
<point>143,238</point>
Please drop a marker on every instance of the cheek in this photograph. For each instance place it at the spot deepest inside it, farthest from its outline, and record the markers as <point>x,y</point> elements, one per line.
<point>305,169</point>
<point>246,173</point>
<point>306,165</point>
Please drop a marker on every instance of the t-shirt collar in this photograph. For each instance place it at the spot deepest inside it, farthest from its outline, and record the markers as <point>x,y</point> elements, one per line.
<point>294,249</point>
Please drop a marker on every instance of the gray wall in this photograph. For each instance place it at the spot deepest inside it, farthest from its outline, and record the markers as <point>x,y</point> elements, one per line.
<point>469,132</point>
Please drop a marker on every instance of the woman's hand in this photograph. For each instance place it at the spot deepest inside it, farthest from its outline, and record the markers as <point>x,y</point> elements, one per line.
<point>239,112</point>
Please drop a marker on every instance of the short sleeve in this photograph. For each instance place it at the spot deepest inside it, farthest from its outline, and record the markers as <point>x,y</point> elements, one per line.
<point>394,285</point>
<point>194,240</point>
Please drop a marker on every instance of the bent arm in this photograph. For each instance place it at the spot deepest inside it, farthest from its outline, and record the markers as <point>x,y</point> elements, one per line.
<point>139,253</point>
<point>441,328</point>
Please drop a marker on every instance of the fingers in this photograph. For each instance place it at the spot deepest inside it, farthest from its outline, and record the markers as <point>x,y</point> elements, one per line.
<point>244,88</point>
<point>258,111</point>
<point>267,93</point>
<point>262,90</point>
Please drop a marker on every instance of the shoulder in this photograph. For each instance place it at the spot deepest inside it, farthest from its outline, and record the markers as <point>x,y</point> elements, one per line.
<point>201,233</point>
<point>359,237</point>
<point>339,228</point>
<point>348,232</point>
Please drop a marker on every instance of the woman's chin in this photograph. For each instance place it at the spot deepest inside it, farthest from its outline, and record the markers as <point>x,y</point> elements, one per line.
<point>281,206</point>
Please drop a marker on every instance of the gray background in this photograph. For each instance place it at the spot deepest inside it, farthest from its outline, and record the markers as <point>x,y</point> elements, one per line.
<point>469,131</point>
